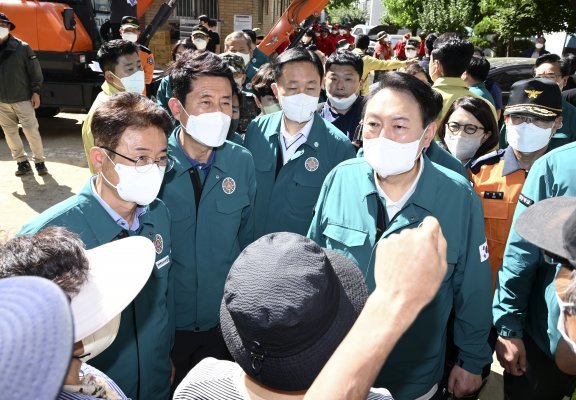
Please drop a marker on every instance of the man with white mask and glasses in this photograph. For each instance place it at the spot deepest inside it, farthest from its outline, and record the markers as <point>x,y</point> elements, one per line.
<point>210,195</point>
<point>99,284</point>
<point>532,116</point>
<point>393,187</point>
<point>123,72</point>
<point>294,149</point>
<point>130,158</point>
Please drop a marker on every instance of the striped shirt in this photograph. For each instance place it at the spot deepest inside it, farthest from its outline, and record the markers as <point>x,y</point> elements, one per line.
<point>214,379</point>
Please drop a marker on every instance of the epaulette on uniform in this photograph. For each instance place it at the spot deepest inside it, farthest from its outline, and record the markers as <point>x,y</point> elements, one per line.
<point>144,49</point>
<point>488,159</point>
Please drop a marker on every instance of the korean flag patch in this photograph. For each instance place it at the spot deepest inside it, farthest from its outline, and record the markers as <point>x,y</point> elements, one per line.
<point>484,252</point>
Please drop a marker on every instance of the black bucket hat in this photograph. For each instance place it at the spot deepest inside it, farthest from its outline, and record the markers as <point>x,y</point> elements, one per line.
<point>539,97</point>
<point>4,17</point>
<point>288,303</point>
<point>550,224</point>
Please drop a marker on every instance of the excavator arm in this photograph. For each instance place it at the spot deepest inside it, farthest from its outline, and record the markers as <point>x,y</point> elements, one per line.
<point>297,12</point>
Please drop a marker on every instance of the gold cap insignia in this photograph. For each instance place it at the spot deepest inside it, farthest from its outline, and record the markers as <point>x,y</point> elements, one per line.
<point>533,94</point>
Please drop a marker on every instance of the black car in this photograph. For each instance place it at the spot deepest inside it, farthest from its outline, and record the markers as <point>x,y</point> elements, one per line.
<point>507,70</point>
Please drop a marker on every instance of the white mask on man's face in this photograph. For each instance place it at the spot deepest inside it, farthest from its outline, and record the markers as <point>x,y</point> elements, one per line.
<point>130,36</point>
<point>4,32</point>
<point>539,45</point>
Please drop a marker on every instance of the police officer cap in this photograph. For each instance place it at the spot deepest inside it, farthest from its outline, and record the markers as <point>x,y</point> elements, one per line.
<point>539,97</point>
<point>200,29</point>
<point>235,62</point>
<point>130,21</point>
<point>4,17</point>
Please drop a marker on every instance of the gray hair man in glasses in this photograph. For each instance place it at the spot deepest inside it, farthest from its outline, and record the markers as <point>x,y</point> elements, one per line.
<point>130,159</point>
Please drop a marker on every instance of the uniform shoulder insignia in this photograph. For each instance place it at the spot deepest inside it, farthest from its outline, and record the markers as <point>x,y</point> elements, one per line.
<point>144,49</point>
<point>488,159</point>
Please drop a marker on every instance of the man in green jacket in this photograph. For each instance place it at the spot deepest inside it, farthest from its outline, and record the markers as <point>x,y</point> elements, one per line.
<point>210,195</point>
<point>130,157</point>
<point>294,149</point>
<point>525,308</point>
<point>394,187</point>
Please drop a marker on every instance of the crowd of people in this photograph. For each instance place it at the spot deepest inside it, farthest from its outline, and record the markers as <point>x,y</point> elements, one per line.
<point>283,229</point>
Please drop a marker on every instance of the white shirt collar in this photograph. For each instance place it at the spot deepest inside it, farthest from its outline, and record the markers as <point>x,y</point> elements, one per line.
<point>392,208</point>
<point>290,143</point>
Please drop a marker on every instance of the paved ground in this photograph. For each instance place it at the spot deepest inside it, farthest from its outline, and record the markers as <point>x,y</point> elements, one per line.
<point>23,198</point>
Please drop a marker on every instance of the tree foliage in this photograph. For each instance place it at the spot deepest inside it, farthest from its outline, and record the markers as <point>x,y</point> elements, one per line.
<point>352,14</point>
<point>446,15</point>
<point>404,13</point>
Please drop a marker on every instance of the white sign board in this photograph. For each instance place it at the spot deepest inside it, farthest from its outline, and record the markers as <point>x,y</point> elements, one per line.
<point>242,22</point>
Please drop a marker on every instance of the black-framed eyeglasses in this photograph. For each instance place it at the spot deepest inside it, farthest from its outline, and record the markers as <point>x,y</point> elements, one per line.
<point>144,163</point>
<point>518,119</point>
<point>469,129</point>
<point>551,75</point>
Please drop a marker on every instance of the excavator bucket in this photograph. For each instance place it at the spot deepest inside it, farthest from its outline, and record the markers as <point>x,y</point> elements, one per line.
<point>296,12</point>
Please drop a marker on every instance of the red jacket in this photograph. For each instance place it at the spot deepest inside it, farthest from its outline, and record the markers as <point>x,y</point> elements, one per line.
<point>325,45</point>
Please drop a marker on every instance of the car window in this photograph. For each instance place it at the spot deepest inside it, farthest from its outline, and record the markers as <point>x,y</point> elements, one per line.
<point>357,31</point>
<point>507,76</point>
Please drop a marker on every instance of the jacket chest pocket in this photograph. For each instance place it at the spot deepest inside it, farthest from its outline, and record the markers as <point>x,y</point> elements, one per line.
<point>497,219</point>
<point>305,189</point>
<point>233,204</point>
<point>340,237</point>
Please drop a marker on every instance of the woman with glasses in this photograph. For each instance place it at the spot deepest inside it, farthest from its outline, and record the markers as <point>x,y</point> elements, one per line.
<point>469,129</point>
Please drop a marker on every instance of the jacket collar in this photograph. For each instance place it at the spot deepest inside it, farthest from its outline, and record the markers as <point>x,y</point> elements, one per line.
<point>449,82</point>
<point>511,163</point>
<point>181,163</point>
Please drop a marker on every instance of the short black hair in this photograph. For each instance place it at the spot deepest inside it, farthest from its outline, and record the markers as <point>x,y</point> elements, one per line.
<point>478,69</point>
<point>428,100</point>
<point>111,51</point>
<point>568,64</point>
<point>294,55</point>
<point>250,33</point>
<point>126,110</point>
<point>362,42</point>
<point>212,23</point>
<point>429,42</point>
<point>204,18</point>
<point>453,54</point>
<point>549,58</point>
<point>185,43</point>
<point>480,109</point>
<point>262,81</point>
<point>53,253</point>
<point>345,57</point>
<point>191,66</point>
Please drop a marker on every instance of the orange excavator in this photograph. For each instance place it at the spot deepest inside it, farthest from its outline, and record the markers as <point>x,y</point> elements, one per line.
<point>65,36</point>
<point>300,14</point>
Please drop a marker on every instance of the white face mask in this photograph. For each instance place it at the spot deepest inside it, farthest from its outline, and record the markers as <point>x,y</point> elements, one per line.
<point>388,157</point>
<point>272,108</point>
<point>344,103</point>
<point>4,32</point>
<point>299,107</point>
<point>100,340</point>
<point>200,43</point>
<point>209,129</point>
<point>137,187</point>
<point>539,45</point>
<point>410,53</point>
<point>130,36</point>
<point>342,31</point>
<point>462,147</point>
<point>134,83</point>
<point>245,57</point>
<point>562,323</point>
<point>527,138</point>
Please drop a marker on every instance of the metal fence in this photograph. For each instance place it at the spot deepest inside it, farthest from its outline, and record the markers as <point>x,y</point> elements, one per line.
<point>195,8</point>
